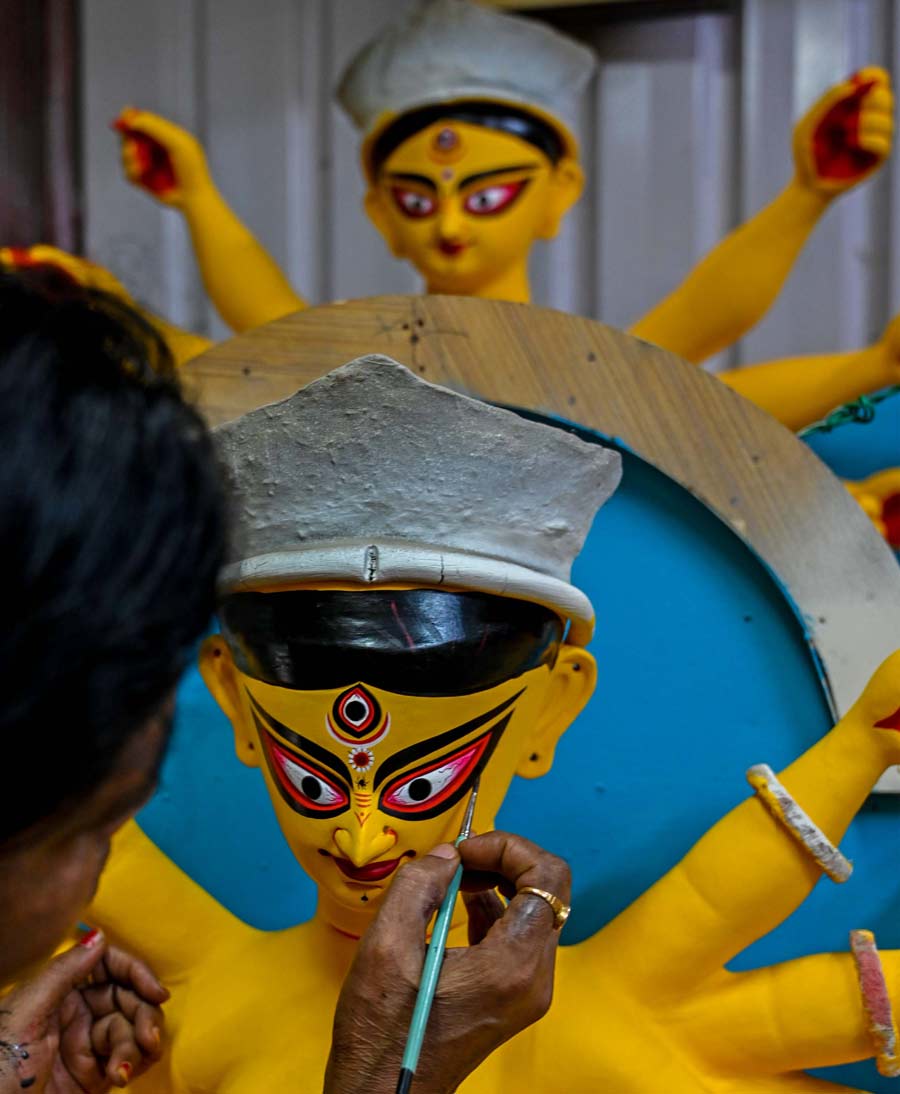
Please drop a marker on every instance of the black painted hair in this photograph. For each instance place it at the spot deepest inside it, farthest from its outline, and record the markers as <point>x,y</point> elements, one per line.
<point>409,641</point>
<point>111,534</point>
<point>509,119</point>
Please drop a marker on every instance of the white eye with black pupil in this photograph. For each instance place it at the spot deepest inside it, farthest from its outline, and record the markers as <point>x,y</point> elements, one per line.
<point>317,790</point>
<point>423,789</point>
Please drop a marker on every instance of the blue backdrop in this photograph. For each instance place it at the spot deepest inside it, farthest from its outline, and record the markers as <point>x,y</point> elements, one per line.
<point>704,670</point>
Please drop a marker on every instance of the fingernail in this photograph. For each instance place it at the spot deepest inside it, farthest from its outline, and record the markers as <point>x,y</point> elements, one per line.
<point>92,938</point>
<point>155,1036</point>
<point>443,850</point>
<point>123,1073</point>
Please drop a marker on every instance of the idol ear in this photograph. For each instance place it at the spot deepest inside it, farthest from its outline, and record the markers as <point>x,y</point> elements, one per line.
<point>374,205</point>
<point>572,682</point>
<point>220,674</point>
<point>566,185</point>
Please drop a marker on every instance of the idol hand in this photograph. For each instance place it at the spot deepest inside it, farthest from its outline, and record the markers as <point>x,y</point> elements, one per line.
<point>162,158</point>
<point>85,273</point>
<point>242,279</point>
<point>90,1020</point>
<point>487,993</point>
<point>846,135</point>
<point>879,496</point>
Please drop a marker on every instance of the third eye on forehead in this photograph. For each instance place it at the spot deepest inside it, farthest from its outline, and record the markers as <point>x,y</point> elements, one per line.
<point>411,642</point>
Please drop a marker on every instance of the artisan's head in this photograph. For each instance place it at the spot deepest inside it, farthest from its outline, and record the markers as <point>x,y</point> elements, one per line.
<point>398,615</point>
<point>111,535</point>
<point>466,157</point>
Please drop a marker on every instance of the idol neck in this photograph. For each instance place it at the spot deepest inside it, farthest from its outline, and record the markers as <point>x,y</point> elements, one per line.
<point>512,285</point>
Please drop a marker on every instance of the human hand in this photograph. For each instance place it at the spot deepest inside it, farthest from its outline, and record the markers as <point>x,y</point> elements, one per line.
<point>846,135</point>
<point>486,994</point>
<point>77,269</point>
<point>90,1020</point>
<point>162,158</point>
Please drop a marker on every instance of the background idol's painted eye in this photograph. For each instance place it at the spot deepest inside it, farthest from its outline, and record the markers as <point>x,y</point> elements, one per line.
<point>429,790</point>
<point>493,199</point>
<point>306,787</point>
<point>412,203</point>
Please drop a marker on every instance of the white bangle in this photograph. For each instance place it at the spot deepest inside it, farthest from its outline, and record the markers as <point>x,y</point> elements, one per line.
<point>783,808</point>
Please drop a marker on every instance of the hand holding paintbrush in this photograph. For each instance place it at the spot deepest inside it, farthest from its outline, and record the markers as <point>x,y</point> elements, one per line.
<point>486,993</point>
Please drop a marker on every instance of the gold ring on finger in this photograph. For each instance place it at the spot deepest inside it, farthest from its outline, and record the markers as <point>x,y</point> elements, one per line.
<point>560,911</point>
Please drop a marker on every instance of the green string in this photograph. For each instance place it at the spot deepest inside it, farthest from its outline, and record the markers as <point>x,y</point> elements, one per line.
<point>861,410</point>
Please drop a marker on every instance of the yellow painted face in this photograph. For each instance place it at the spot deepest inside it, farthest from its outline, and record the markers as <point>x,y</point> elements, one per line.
<point>363,779</point>
<point>464,204</point>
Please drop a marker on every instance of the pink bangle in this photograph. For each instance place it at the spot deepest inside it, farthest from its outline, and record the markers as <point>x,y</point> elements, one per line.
<point>876,1002</point>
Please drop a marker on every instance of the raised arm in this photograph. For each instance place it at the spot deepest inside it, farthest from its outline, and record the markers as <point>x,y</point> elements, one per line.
<point>800,390</point>
<point>750,871</point>
<point>838,143</point>
<point>242,279</point>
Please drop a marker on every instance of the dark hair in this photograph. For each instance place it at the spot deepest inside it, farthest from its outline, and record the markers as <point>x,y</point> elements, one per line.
<point>111,535</point>
<point>509,119</point>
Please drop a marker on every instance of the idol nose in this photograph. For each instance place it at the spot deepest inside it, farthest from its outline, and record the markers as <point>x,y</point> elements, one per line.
<point>450,222</point>
<point>363,843</point>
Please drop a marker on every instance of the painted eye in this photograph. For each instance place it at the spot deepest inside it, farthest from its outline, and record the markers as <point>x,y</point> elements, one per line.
<point>492,199</point>
<point>429,790</point>
<point>413,203</point>
<point>314,788</point>
<point>306,786</point>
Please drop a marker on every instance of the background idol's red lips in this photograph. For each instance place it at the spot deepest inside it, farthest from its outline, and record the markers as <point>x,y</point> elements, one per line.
<point>450,247</point>
<point>375,871</point>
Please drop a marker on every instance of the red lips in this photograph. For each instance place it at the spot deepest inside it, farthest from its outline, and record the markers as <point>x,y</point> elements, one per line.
<point>375,871</point>
<point>451,247</point>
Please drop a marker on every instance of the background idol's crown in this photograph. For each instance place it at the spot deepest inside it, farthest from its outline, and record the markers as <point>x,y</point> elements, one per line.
<point>446,50</point>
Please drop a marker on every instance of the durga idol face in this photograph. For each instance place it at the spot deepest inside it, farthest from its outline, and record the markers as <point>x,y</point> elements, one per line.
<point>370,714</point>
<point>464,203</point>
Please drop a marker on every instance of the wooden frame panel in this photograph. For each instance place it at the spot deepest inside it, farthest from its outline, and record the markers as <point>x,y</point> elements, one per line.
<point>764,484</point>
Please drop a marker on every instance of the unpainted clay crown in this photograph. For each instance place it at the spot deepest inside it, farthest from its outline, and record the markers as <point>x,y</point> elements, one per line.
<point>446,50</point>
<point>371,474</point>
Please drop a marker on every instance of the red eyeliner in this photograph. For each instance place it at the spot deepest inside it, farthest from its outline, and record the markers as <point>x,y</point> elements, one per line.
<point>476,750</point>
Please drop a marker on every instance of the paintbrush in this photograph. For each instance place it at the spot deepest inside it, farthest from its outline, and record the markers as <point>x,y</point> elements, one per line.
<point>433,960</point>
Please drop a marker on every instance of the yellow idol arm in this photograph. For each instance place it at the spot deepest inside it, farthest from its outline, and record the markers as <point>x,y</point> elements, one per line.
<point>801,1014</point>
<point>734,286</point>
<point>840,141</point>
<point>242,279</point>
<point>150,907</point>
<point>801,390</point>
<point>748,873</point>
<point>183,344</point>
<point>784,1084</point>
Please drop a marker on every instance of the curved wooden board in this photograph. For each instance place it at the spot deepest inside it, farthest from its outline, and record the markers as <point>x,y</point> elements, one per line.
<point>764,484</point>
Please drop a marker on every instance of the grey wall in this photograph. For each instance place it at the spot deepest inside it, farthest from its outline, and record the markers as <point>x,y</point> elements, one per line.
<point>685,132</point>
